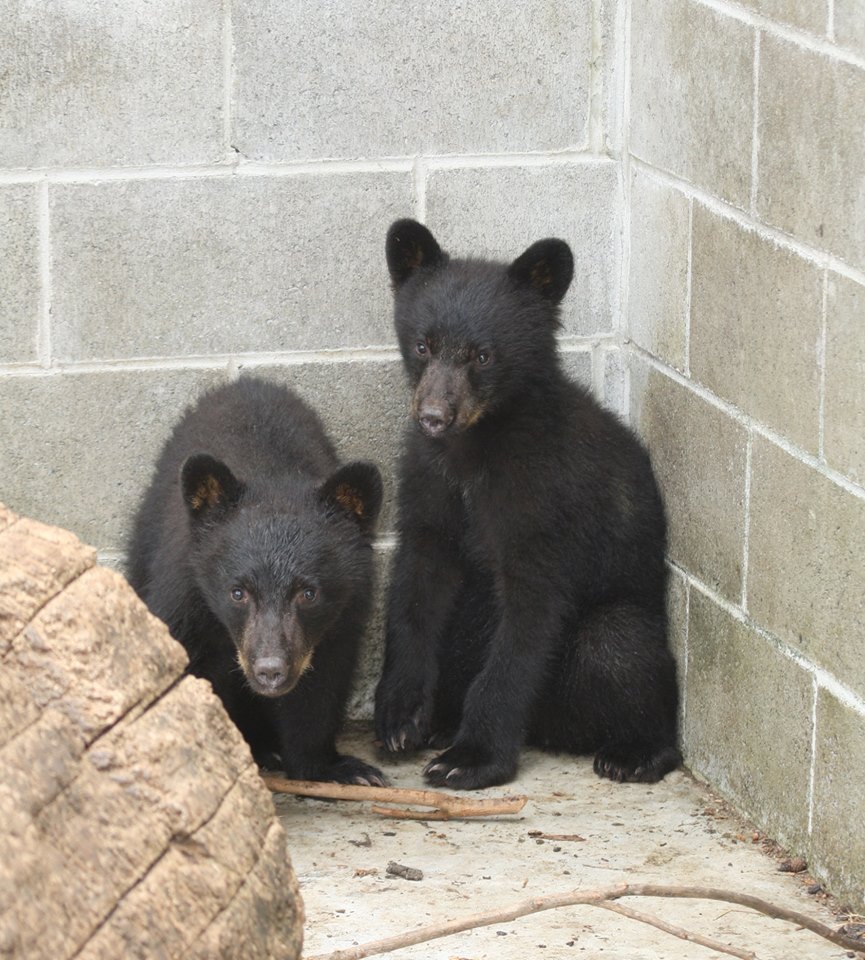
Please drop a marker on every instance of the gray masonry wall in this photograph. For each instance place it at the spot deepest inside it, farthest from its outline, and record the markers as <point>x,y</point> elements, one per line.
<point>744,198</point>
<point>190,190</point>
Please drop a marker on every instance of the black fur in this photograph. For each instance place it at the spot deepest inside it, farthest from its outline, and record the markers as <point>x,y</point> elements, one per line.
<point>252,544</point>
<point>528,593</point>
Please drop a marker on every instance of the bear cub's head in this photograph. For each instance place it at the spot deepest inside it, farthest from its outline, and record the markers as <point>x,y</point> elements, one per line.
<point>279,567</point>
<point>475,336</point>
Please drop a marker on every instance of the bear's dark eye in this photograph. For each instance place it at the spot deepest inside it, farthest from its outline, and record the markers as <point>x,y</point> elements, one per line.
<point>239,595</point>
<point>421,349</point>
<point>483,357</point>
<point>307,595</point>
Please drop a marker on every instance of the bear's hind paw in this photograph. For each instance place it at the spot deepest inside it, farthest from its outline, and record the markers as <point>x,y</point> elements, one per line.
<point>635,763</point>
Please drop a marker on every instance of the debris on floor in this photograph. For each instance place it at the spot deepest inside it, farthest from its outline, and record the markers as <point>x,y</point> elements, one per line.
<point>576,833</point>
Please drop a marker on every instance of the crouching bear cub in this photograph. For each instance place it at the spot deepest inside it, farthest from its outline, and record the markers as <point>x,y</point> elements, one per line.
<point>253,545</point>
<point>528,592</point>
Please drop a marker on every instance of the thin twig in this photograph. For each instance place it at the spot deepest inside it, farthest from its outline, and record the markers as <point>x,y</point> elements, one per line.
<point>540,835</point>
<point>595,897</point>
<point>746,900</point>
<point>447,805</point>
<point>679,932</point>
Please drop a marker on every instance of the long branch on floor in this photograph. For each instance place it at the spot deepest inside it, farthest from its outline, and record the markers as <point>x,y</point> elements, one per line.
<point>442,806</point>
<point>604,897</point>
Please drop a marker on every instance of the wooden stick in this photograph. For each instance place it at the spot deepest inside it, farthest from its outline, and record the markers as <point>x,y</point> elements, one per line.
<point>746,900</point>
<point>679,932</point>
<point>540,835</point>
<point>402,813</point>
<point>595,897</point>
<point>447,806</point>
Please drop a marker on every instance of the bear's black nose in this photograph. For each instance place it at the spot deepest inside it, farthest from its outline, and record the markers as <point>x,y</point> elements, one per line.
<point>434,419</point>
<point>432,425</point>
<point>270,672</point>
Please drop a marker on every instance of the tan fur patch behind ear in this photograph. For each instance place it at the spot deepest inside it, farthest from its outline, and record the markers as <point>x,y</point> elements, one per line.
<point>348,498</point>
<point>208,493</point>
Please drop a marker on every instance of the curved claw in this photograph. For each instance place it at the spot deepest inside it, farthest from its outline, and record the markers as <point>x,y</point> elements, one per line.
<point>356,771</point>
<point>409,734</point>
<point>465,767</point>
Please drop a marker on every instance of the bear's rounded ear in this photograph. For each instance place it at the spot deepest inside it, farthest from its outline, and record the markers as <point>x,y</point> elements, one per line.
<point>209,487</point>
<point>410,246</point>
<point>357,489</point>
<point>547,267</point>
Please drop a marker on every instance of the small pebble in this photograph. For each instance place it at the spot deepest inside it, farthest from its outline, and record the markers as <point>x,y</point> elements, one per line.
<point>395,869</point>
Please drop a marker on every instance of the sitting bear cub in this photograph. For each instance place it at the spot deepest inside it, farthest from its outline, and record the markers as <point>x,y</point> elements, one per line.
<point>253,545</point>
<point>527,601</point>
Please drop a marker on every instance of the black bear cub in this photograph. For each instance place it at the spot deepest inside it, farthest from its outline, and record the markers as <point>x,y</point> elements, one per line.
<point>528,593</point>
<point>253,545</point>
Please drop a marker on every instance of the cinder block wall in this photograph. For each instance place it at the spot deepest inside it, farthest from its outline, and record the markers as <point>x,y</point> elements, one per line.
<point>190,190</point>
<point>744,173</point>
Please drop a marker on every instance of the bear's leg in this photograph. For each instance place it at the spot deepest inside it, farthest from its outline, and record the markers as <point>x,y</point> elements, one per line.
<point>613,691</point>
<point>308,753</point>
<point>498,705</point>
<point>307,719</point>
<point>462,653</point>
<point>427,576</point>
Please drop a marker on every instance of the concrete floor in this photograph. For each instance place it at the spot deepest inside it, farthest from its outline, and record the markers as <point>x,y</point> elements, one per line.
<point>675,832</point>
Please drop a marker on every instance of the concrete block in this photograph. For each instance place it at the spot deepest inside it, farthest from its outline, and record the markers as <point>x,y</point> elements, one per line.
<point>692,94</point>
<point>19,273</point>
<point>605,121</point>
<point>468,78</point>
<point>613,387</point>
<point>806,566</point>
<point>365,409</point>
<point>677,615</point>
<point>837,840</point>
<point>844,405</point>
<point>804,14</point>
<point>79,449</point>
<point>811,166</point>
<point>361,701</point>
<point>180,267</point>
<point>577,364</point>
<point>748,726</point>
<point>850,24</point>
<point>658,273</point>
<point>498,213</point>
<point>698,454</point>
<point>103,83</point>
<point>756,321</point>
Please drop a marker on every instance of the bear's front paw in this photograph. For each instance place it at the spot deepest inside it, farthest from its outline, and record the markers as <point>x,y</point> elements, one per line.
<point>353,770</point>
<point>402,718</point>
<point>466,767</point>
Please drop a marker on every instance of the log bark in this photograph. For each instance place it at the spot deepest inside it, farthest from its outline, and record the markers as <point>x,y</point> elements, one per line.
<point>133,821</point>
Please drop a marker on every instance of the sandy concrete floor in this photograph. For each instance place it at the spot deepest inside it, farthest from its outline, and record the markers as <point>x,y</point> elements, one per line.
<point>675,832</point>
